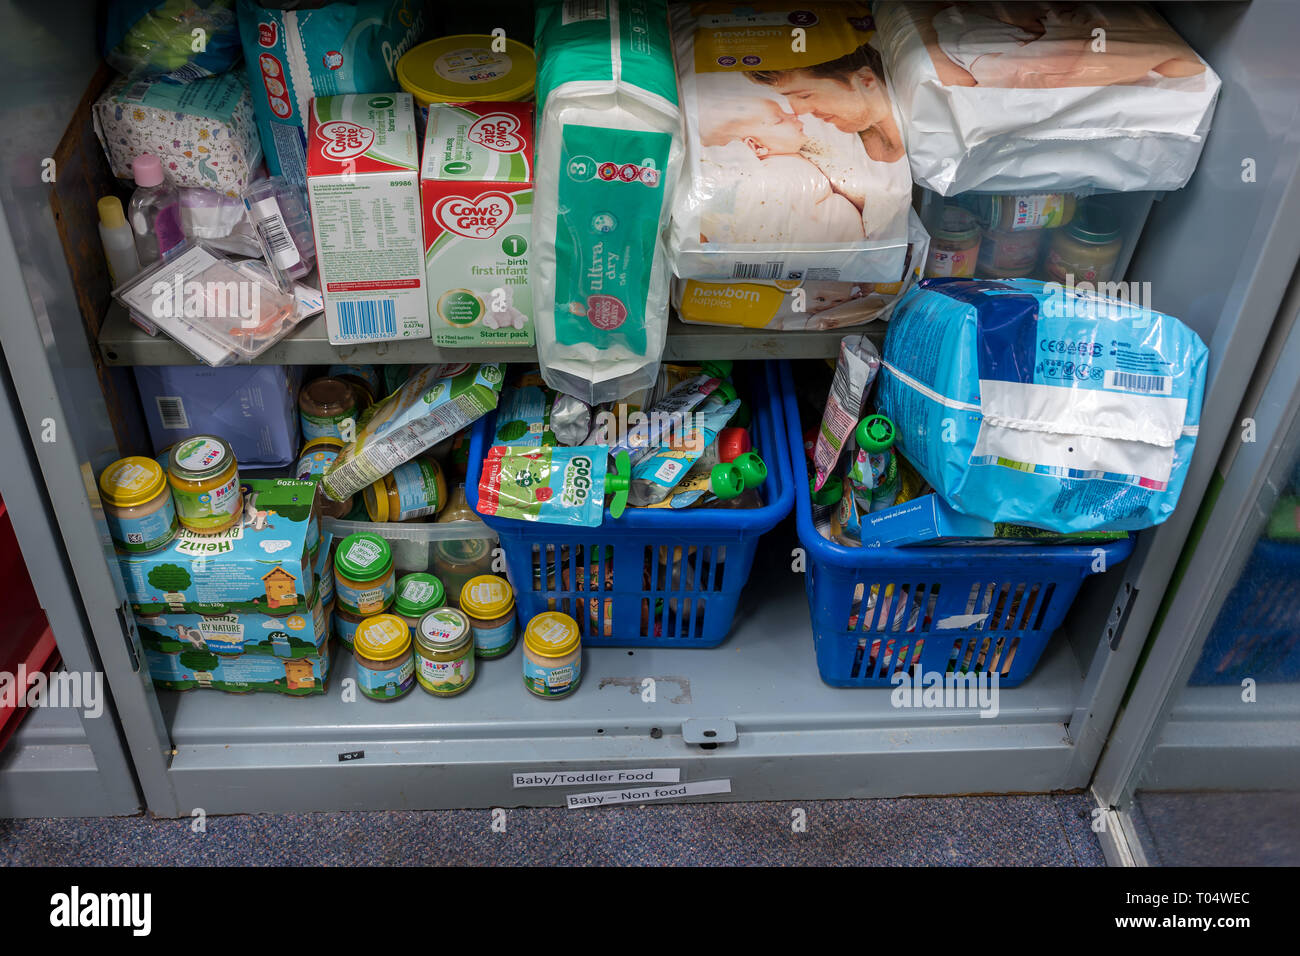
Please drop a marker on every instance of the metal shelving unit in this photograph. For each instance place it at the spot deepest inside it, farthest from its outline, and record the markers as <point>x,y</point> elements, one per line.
<point>1219,254</point>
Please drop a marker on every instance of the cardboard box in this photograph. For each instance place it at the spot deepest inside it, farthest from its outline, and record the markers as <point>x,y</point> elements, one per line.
<point>229,635</point>
<point>254,407</point>
<point>476,200</point>
<point>363,174</point>
<point>260,566</point>
<point>245,674</point>
<point>928,520</point>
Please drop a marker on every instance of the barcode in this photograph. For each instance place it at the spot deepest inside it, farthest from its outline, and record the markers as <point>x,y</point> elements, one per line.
<point>367,318</point>
<point>757,270</point>
<point>576,11</point>
<point>1158,384</point>
<point>277,236</point>
<point>171,409</point>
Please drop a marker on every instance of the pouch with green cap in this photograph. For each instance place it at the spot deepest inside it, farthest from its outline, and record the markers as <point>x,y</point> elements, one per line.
<point>655,475</point>
<point>553,484</point>
<point>873,469</point>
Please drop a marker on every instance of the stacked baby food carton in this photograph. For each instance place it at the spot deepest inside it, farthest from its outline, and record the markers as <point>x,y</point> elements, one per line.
<point>241,610</point>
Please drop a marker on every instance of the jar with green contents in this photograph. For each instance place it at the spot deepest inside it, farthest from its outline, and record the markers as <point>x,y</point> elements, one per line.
<point>552,655</point>
<point>364,579</point>
<point>385,662</point>
<point>489,603</point>
<point>444,652</point>
<point>204,478</point>
<point>417,595</point>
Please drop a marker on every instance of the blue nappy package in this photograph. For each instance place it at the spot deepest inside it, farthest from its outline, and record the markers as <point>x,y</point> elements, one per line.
<point>1026,402</point>
<point>295,55</point>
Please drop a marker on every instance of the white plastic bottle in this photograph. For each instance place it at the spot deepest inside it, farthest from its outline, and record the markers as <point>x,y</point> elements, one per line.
<point>118,240</point>
<point>155,213</point>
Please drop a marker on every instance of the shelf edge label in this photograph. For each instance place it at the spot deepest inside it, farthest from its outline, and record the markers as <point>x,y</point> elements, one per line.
<point>570,778</point>
<point>602,798</point>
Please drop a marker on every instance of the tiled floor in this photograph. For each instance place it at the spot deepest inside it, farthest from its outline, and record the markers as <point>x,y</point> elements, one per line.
<point>1040,830</point>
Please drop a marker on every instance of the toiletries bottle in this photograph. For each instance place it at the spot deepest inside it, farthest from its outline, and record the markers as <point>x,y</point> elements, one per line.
<point>118,240</point>
<point>155,212</point>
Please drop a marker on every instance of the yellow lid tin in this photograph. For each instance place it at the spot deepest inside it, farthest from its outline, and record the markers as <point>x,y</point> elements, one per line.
<point>551,634</point>
<point>465,68</point>
<point>132,481</point>
<point>487,596</point>
<point>382,637</point>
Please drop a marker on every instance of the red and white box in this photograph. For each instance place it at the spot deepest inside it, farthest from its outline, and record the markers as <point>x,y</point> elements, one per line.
<point>363,171</point>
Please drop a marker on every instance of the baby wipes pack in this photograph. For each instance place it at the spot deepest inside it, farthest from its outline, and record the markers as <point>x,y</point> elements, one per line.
<point>476,200</point>
<point>795,167</point>
<point>1031,403</point>
<point>335,48</point>
<point>608,152</point>
<point>362,183</point>
<point>1038,96</point>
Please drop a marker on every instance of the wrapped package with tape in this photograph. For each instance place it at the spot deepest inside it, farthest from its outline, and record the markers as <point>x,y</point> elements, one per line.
<point>795,167</point>
<point>1031,403</point>
<point>1039,96</point>
<point>608,152</point>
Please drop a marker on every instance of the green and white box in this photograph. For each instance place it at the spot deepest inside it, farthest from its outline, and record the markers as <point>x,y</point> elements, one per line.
<point>476,196</point>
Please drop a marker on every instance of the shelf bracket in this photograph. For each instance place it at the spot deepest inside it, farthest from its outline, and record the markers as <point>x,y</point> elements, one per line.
<point>708,732</point>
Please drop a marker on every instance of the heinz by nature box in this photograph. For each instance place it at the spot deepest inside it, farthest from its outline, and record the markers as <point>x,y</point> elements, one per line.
<point>476,197</point>
<point>363,184</point>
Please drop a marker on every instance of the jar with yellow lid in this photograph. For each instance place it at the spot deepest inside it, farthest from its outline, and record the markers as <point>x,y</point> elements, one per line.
<point>552,655</point>
<point>489,603</point>
<point>204,478</point>
<point>364,579</point>
<point>137,504</point>
<point>317,455</point>
<point>385,662</point>
<point>412,490</point>
<point>417,594</point>
<point>444,652</point>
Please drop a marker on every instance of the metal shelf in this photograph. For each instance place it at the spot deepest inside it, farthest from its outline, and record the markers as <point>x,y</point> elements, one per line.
<point>123,343</point>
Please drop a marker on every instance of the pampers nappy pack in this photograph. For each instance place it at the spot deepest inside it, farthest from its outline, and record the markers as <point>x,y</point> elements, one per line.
<point>1022,97</point>
<point>608,152</point>
<point>336,48</point>
<point>795,167</point>
<point>476,199</point>
<point>1031,403</point>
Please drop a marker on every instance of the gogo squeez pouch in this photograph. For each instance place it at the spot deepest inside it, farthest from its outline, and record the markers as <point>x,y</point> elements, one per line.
<point>551,484</point>
<point>1026,402</point>
<point>608,151</point>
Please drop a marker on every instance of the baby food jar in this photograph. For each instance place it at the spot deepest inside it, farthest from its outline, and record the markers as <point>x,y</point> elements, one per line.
<point>137,504</point>
<point>1087,249</point>
<point>323,405</point>
<point>364,380</point>
<point>552,655</point>
<point>364,580</point>
<point>317,455</point>
<point>1023,212</point>
<point>489,603</point>
<point>345,625</point>
<point>412,490</point>
<point>204,477</point>
<point>1006,254</point>
<point>954,243</point>
<point>385,662</point>
<point>417,595</point>
<point>444,651</point>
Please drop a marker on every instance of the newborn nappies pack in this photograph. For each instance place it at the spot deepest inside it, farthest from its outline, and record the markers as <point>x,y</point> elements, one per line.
<point>795,168</point>
<point>476,199</point>
<point>608,152</point>
<point>1026,402</point>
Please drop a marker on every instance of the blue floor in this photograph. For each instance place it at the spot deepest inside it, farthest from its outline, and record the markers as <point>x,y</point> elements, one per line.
<point>1035,830</point>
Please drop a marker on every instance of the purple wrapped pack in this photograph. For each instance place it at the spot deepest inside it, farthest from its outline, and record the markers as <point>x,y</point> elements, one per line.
<point>254,407</point>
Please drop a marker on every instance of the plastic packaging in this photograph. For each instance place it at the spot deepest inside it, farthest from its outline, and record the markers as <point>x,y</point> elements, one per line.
<point>873,471</point>
<point>524,418</point>
<point>221,221</point>
<point>118,239</point>
<point>155,211</point>
<point>664,420</point>
<point>1067,411</point>
<point>552,484</point>
<point>608,154</point>
<point>220,310</point>
<point>570,419</point>
<point>152,38</point>
<point>795,164</point>
<point>855,370</point>
<point>277,209</point>
<point>1020,97</point>
<point>655,475</point>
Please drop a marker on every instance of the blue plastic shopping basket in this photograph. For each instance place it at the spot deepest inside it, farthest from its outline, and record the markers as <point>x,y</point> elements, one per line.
<point>655,577</point>
<point>966,610</point>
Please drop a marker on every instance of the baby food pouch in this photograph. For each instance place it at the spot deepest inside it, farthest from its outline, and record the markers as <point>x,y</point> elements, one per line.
<point>608,152</point>
<point>657,474</point>
<point>795,167</point>
<point>524,418</point>
<point>855,370</point>
<point>435,402</point>
<point>551,484</point>
<point>1060,408</point>
<point>476,200</point>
